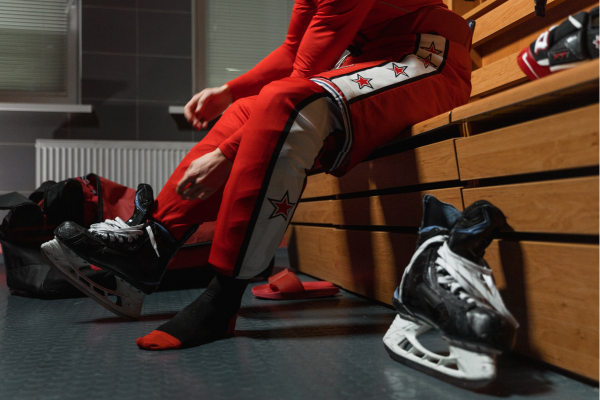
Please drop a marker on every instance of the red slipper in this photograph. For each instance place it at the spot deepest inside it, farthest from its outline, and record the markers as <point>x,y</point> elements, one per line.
<point>286,286</point>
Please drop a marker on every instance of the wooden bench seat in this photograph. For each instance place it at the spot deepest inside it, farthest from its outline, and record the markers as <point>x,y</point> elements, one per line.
<point>432,163</point>
<point>561,141</point>
<point>565,90</point>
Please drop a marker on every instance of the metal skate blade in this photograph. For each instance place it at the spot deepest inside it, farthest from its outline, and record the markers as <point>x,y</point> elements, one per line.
<point>461,367</point>
<point>128,300</point>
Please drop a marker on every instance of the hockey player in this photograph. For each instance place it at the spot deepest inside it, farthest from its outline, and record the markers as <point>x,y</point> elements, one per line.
<point>408,61</point>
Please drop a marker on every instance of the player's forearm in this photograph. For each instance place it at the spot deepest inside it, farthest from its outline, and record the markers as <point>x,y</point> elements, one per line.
<point>277,65</point>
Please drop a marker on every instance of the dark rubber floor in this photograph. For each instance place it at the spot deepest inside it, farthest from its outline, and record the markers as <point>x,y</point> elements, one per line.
<point>309,349</point>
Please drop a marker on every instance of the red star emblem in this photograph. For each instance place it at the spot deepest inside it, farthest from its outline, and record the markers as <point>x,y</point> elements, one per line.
<point>597,42</point>
<point>282,207</point>
<point>427,61</point>
<point>398,70</point>
<point>432,49</point>
<point>362,82</point>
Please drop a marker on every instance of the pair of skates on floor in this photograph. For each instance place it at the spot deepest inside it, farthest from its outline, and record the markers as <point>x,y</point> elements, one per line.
<point>449,287</point>
<point>446,286</point>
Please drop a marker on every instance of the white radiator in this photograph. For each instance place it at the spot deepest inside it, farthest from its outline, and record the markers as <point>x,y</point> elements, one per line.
<point>124,162</point>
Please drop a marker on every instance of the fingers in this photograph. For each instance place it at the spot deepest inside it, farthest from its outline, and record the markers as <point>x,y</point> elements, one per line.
<point>193,110</point>
<point>200,120</point>
<point>195,189</point>
<point>190,108</point>
<point>183,183</point>
<point>193,192</point>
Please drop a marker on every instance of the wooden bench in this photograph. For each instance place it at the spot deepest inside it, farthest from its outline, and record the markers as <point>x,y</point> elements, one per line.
<point>531,148</point>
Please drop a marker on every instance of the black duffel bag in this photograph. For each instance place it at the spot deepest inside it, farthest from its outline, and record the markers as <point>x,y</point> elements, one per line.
<point>31,221</point>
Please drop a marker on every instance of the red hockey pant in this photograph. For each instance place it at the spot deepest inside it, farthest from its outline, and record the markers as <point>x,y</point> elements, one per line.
<point>283,132</point>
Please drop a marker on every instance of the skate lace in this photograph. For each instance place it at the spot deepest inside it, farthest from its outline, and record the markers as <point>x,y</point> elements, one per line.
<point>469,281</point>
<point>116,229</point>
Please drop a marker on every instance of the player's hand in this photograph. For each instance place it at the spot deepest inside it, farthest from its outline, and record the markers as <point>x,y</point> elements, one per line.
<point>204,176</point>
<point>207,105</point>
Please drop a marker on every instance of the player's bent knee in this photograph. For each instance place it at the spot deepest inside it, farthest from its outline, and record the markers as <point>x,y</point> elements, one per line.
<point>294,89</point>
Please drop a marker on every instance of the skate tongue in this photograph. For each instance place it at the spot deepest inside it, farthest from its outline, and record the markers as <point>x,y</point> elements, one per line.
<point>116,230</point>
<point>475,230</point>
<point>437,214</point>
<point>430,232</point>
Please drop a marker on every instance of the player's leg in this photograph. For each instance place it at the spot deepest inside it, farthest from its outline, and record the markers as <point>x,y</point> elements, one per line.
<point>138,252</point>
<point>281,140</point>
<point>425,76</point>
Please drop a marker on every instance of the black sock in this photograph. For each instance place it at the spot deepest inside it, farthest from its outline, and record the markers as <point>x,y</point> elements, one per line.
<point>204,320</point>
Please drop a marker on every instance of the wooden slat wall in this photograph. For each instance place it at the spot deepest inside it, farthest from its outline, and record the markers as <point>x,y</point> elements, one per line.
<point>432,163</point>
<point>497,76</point>
<point>365,262</point>
<point>565,140</point>
<point>404,209</point>
<point>567,206</point>
<point>552,290</point>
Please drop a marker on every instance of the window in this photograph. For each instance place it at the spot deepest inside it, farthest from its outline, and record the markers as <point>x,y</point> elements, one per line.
<point>232,36</point>
<point>39,51</point>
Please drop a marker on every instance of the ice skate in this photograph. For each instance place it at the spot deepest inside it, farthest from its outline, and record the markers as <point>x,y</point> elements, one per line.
<point>122,299</point>
<point>448,286</point>
<point>137,252</point>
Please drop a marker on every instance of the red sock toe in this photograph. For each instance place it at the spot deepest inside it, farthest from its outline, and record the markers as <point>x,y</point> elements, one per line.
<point>158,340</point>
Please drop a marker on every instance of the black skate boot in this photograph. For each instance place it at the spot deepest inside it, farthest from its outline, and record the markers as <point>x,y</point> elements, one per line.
<point>449,287</point>
<point>137,252</point>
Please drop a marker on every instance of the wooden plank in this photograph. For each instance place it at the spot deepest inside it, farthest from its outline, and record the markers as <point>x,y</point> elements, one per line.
<point>483,8</point>
<point>566,140</point>
<point>559,206</point>
<point>463,6</point>
<point>476,61</point>
<point>405,209</point>
<point>497,76</point>
<point>504,17</point>
<point>554,87</point>
<point>364,262</point>
<point>552,290</point>
<point>432,163</point>
<point>437,122</point>
<point>430,124</point>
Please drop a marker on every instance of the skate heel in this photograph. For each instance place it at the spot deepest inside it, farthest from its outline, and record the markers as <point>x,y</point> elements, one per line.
<point>125,301</point>
<point>461,367</point>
